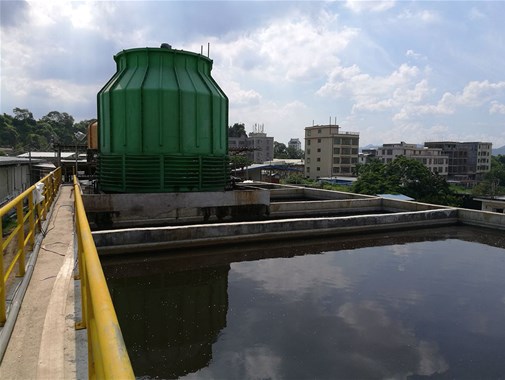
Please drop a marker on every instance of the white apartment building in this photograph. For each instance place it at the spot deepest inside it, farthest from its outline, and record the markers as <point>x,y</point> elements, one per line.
<point>432,158</point>
<point>330,152</point>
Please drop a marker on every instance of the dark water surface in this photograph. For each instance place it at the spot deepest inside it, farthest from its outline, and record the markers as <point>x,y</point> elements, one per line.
<point>415,304</point>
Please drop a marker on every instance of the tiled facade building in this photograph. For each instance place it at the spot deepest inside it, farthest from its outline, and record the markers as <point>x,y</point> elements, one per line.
<point>330,152</point>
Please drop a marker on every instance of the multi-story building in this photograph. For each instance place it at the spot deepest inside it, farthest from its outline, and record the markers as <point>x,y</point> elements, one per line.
<point>261,147</point>
<point>330,152</point>
<point>432,158</point>
<point>295,144</point>
<point>366,155</point>
<point>237,143</point>
<point>467,160</point>
<point>257,146</point>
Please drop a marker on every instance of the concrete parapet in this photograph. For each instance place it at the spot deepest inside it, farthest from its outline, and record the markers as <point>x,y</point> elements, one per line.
<point>287,192</point>
<point>395,205</point>
<point>482,218</point>
<point>159,238</point>
<point>284,209</point>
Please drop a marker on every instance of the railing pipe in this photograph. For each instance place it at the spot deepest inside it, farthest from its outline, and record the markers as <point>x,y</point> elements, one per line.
<point>108,355</point>
<point>24,221</point>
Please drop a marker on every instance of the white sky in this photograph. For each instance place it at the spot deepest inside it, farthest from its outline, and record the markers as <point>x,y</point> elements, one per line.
<point>394,71</point>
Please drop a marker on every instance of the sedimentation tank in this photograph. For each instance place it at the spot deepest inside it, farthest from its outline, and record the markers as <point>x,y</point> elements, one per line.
<point>163,124</point>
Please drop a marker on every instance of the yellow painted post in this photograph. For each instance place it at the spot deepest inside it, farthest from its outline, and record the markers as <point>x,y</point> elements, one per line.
<point>45,201</point>
<point>21,238</point>
<point>31,218</point>
<point>3,315</point>
<point>82,276</point>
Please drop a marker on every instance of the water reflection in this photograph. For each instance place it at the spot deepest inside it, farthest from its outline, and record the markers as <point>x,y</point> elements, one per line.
<point>413,309</point>
<point>170,321</point>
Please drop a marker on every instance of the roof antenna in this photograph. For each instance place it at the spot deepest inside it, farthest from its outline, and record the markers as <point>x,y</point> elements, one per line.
<point>208,49</point>
<point>201,49</point>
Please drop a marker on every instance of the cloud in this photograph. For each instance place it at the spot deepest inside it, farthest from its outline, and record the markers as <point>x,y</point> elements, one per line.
<point>359,6</point>
<point>377,93</point>
<point>294,48</point>
<point>412,54</point>
<point>425,16</point>
<point>13,13</point>
<point>474,94</point>
<point>476,14</point>
<point>497,107</point>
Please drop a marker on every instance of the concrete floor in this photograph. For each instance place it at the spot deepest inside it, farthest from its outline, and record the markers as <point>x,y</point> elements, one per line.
<point>44,343</point>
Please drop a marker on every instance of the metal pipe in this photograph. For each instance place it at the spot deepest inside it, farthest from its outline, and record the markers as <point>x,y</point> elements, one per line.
<point>114,360</point>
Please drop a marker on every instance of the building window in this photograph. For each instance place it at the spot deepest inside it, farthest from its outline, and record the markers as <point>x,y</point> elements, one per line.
<point>336,150</point>
<point>308,142</point>
<point>318,169</point>
<point>336,160</point>
<point>318,140</point>
<point>318,150</point>
<point>307,133</point>
<point>318,131</point>
<point>336,141</point>
<point>308,151</point>
<point>318,159</point>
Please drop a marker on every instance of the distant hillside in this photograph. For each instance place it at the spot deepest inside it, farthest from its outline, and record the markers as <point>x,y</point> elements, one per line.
<point>498,151</point>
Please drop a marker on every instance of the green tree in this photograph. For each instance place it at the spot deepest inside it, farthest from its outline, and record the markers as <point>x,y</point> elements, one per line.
<point>9,136</point>
<point>237,130</point>
<point>294,153</point>
<point>372,179</point>
<point>494,181</point>
<point>239,161</point>
<point>24,123</point>
<point>280,150</point>
<point>62,127</point>
<point>404,176</point>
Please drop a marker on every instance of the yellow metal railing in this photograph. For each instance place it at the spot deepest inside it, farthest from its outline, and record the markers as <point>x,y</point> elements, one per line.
<point>28,221</point>
<point>107,355</point>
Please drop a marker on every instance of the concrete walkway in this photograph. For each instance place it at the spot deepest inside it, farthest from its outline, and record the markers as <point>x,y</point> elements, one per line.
<point>44,343</point>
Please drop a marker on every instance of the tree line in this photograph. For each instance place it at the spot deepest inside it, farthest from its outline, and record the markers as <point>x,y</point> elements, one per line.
<point>410,177</point>
<point>22,132</point>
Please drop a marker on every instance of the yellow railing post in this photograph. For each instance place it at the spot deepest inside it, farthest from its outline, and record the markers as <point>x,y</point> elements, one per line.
<point>3,315</point>
<point>21,238</point>
<point>31,219</point>
<point>82,270</point>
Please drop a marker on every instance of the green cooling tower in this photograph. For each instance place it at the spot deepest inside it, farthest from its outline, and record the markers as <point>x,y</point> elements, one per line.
<point>163,124</point>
